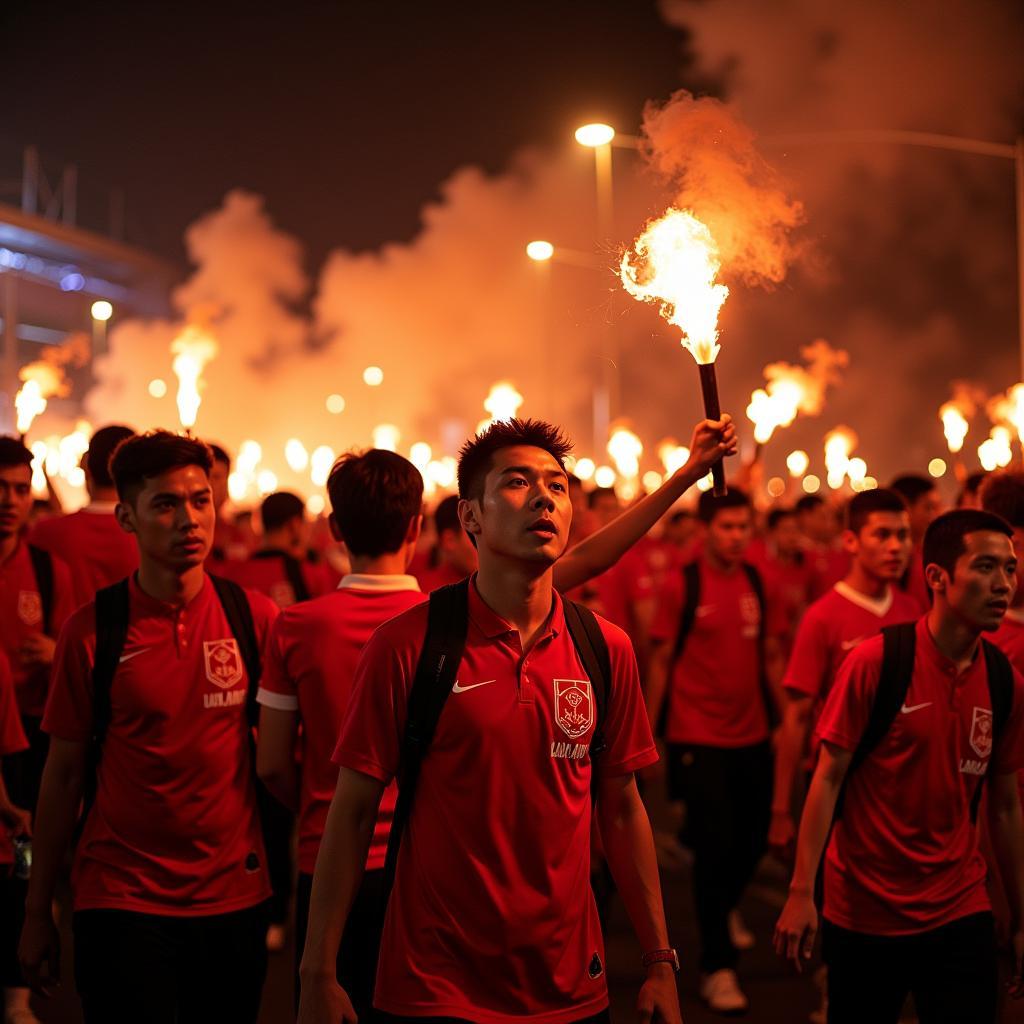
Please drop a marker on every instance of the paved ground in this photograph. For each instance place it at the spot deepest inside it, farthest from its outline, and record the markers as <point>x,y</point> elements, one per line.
<point>777,995</point>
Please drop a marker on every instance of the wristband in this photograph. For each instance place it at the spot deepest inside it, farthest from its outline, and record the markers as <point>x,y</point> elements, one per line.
<point>662,956</point>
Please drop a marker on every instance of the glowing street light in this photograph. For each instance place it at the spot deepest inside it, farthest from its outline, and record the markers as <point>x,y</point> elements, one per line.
<point>540,251</point>
<point>595,134</point>
<point>102,310</point>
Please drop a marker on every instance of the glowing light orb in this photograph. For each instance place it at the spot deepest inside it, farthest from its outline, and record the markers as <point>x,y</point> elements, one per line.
<point>373,376</point>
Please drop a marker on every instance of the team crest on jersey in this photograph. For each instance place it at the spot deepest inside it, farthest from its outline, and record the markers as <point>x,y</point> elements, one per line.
<point>30,607</point>
<point>981,732</point>
<point>750,609</point>
<point>223,662</point>
<point>574,707</point>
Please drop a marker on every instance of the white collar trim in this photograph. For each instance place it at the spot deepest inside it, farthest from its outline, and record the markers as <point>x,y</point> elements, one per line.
<point>378,584</point>
<point>880,607</point>
<point>100,507</point>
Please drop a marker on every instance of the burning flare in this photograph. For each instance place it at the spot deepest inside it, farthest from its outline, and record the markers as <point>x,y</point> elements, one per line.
<point>839,443</point>
<point>192,350</point>
<point>674,262</point>
<point>625,449</point>
<point>957,413</point>
<point>503,401</point>
<point>42,380</point>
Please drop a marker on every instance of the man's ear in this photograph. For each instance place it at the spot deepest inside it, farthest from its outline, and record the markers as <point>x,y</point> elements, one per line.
<point>469,516</point>
<point>125,516</point>
<point>332,525</point>
<point>850,543</point>
<point>936,577</point>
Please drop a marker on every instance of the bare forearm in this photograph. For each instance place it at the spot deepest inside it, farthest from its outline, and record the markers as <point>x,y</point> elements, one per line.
<point>792,737</point>
<point>814,828</point>
<point>338,873</point>
<point>1006,829</point>
<point>601,550</point>
<point>60,797</point>
<point>629,847</point>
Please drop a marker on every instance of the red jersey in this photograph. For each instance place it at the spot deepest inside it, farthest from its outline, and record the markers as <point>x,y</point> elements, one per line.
<point>268,575</point>
<point>174,829</point>
<point>492,918</point>
<point>12,741</point>
<point>904,856</point>
<point>96,550</point>
<point>827,566</point>
<point>311,661</point>
<point>21,616</point>
<point>915,585</point>
<point>833,627</point>
<point>788,593</point>
<point>1009,637</point>
<point>714,687</point>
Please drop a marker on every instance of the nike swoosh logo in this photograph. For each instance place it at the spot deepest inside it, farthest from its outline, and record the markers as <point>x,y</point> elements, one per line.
<point>457,688</point>
<point>132,654</point>
<point>848,645</point>
<point>916,707</point>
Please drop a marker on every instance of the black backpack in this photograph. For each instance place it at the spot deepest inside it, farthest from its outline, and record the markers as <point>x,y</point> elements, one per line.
<point>111,632</point>
<point>292,570</point>
<point>443,646</point>
<point>42,569</point>
<point>691,580</point>
<point>898,649</point>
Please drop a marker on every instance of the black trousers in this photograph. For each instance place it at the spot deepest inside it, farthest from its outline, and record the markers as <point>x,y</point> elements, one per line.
<point>728,795</point>
<point>132,967</point>
<point>278,824</point>
<point>23,772</point>
<point>360,942</point>
<point>604,1017</point>
<point>951,972</point>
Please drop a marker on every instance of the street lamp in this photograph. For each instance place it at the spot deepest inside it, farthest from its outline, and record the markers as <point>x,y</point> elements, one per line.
<point>540,251</point>
<point>101,311</point>
<point>595,134</point>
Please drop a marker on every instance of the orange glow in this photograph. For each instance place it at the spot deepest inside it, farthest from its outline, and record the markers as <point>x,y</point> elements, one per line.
<point>797,463</point>
<point>954,426</point>
<point>674,263</point>
<point>839,443</point>
<point>503,401</point>
<point>41,381</point>
<point>672,454</point>
<point>192,350</point>
<point>625,449</point>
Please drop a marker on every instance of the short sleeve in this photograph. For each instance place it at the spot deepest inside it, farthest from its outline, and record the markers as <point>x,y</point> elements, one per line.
<point>277,688</point>
<point>848,706</point>
<point>1009,755</point>
<point>12,736</point>
<point>371,734</point>
<point>629,745</point>
<point>69,711</point>
<point>670,607</point>
<point>808,661</point>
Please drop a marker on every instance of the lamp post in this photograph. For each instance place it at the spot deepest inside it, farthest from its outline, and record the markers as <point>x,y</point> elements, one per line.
<point>101,312</point>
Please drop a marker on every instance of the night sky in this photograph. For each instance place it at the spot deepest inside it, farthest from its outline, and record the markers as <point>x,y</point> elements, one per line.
<point>345,116</point>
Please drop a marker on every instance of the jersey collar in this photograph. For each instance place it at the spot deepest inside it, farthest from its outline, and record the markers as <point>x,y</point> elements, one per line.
<point>378,584</point>
<point>147,605</point>
<point>880,607</point>
<point>491,624</point>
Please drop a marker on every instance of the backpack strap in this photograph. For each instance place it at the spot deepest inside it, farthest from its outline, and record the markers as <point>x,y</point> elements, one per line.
<point>757,585</point>
<point>292,571</point>
<point>592,649</point>
<point>691,599</point>
<point>112,609</point>
<point>440,656</point>
<point>898,648</point>
<point>42,568</point>
<point>1000,688</point>
<point>239,615</point>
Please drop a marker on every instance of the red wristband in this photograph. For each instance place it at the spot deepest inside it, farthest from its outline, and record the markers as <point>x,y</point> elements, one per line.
<point>662,956</point>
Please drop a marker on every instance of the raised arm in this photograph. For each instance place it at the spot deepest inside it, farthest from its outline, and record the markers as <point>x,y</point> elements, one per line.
<point>712,440</point>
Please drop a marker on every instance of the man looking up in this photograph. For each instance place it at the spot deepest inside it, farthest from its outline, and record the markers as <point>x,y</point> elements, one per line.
<point>491,917</point>
<point>906,908</point>
<point>168,875</point>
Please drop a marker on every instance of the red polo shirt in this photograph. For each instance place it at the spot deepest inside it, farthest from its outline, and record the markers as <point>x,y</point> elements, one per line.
<point>21,616</point>
<point>492,918</point>
<point>97,551</point>
<point>440,576</point>
<point>827,566</point>
<point>174,829</point>
<point>312,657</point>
<point>904,855</point>
<point>12,741</point>
<point>715,684</point>
<point>832,627</point>
<point>268,576</point>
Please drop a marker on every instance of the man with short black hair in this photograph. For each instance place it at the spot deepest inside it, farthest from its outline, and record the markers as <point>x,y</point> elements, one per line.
<point>924,503</point>
<point>89,541</point>
<point>877,540</point>
<point>456,556</point>
<point>916,722</point>
<point>491,916</point>
<point>708,683</point>
<point>827,561</point>
<point>35,600</point>
<point>149,701</point>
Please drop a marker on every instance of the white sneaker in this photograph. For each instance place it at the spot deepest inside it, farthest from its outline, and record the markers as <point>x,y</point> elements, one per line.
<point>721,991</point>
<point>742,937</point>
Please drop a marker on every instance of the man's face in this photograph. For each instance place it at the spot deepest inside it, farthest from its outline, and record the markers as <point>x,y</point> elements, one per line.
<point>15,499</point>
<point>882,547</point>
<point>923,511</point>
<point>457,551</point>
<point>818,524</point>
<point>983,582</point>
<point>787,537</point>
<point>525,512</point>
<point>172,518</point>
<point>729,534</point>
<point>219,484</point>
